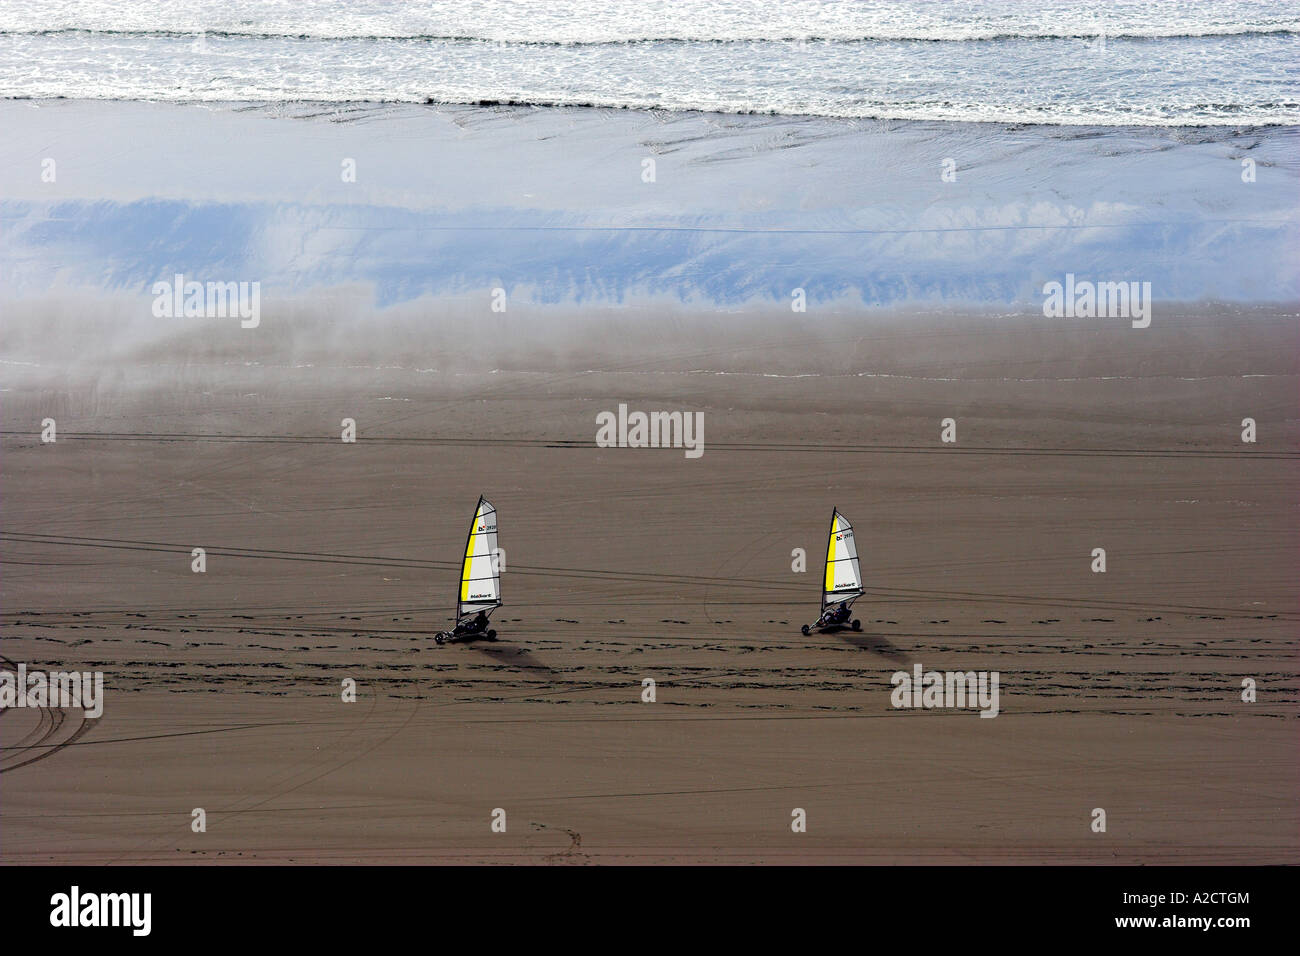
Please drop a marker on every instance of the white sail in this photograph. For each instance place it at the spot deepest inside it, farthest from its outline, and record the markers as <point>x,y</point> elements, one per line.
<point>480,577</point>
<point>843,576</point>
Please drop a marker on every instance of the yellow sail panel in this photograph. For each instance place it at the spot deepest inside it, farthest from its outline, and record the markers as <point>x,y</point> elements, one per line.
<point>830,552</point>
<point>480,578</point>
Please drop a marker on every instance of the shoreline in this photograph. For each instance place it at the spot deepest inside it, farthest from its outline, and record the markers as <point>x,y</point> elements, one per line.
<point>1000,125</point>
<point>702,210</point>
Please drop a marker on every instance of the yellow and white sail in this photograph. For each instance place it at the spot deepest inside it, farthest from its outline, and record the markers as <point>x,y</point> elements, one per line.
<point>480,576</point>
<point>843,576</point>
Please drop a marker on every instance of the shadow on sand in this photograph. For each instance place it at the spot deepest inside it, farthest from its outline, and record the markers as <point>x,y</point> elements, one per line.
<point>510,656</point>
<point>873,644</point>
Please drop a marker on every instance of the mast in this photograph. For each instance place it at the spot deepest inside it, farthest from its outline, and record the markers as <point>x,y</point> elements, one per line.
<point>828,574</point>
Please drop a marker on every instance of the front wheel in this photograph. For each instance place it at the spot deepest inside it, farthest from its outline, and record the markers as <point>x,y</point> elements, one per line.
<point>805,630</point>
<point>857,625</point>
<point>491,635</point>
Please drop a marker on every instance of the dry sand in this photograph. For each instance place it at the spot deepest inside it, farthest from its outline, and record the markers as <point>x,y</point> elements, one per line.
<point>326,561</point>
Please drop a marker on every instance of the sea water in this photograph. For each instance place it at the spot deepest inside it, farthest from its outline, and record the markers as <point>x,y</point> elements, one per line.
<point>1114,62</point>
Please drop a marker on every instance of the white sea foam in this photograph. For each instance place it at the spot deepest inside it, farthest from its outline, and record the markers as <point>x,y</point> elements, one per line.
<point>620,21</point>
<point>1203,62</point>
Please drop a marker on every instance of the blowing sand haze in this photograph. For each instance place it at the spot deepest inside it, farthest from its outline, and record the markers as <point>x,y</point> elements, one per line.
<point>1008,294</point>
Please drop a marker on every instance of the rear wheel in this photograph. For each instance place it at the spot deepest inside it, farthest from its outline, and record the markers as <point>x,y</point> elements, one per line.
<point>491,635</point>
<point>857,625</point>
<point>805,630</point>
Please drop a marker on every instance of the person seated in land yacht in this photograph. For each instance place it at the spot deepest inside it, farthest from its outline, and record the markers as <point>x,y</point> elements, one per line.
<point>476,625</point>
<point>835,614</point>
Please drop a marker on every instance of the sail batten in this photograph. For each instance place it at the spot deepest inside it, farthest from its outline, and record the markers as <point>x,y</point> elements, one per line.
<point>480,577</point>
<point>843,580</point>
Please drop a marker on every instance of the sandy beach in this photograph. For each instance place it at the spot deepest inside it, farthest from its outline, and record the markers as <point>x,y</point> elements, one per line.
<point>328,561</point>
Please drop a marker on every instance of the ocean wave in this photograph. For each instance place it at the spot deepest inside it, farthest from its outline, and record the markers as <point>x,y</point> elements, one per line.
<point>1082,63</point>
<point>1289,28</point>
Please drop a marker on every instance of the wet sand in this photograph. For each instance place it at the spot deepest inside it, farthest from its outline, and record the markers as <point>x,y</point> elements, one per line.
<point>328,561</point>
